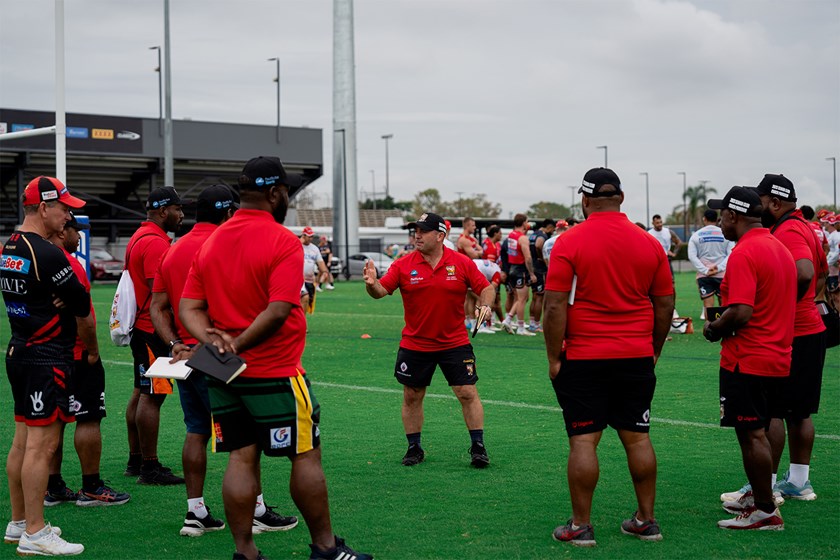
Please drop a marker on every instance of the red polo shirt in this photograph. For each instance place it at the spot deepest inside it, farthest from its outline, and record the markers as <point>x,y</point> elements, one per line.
<point>144,250</point>
<point>618,267</point>
<point>175,267</point>
<point>81,274</point>
<point>434,298</point>
<point>799,238</point>
<point>249,262</point>
<point>760,273</point>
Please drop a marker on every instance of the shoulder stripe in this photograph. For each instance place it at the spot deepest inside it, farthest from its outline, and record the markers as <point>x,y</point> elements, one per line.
<point>34,258</point>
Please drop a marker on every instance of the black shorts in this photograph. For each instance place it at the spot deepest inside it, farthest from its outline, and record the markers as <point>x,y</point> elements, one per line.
<point>89,390</point>
<point>745,399</point>
<point>310,289</point>
<point>539,286</point>
<point>145,349</point>
<point>415,368</point>
<point>798,396</point>
<point>595,394</point>
<point>43,394</point>
<point>709,286</point>
<point>517,277</point>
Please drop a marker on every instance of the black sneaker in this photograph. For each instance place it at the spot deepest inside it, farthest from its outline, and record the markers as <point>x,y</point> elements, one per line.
<point>159,476</point>
<point>478,455</point>
<point>240,556</point>
<point>61,496</point>
<point>647,530</point>
<point>132,470</point>
<point>270,521</point>
<point>578,536</point>
<point>340,552</point>
<point>102,496</point>
<point>414,455</point>
<point>195,526</point>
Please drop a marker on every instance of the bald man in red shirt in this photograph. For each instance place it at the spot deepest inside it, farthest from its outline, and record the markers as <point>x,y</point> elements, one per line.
<point>433,281</point>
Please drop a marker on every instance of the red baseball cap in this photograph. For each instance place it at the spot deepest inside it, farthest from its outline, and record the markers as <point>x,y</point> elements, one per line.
<point>832,219</point>
<point>46,189</point>
<point>308,231</point>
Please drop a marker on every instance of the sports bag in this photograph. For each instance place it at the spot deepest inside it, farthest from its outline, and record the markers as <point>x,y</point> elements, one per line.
<point>124,307</point>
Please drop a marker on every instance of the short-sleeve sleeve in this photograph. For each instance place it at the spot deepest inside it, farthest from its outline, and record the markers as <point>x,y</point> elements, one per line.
<point>286,274</point>
<point>560,270</point>
<point>391,280</point>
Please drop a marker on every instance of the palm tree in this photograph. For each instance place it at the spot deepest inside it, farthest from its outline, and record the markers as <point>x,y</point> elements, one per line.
<point>695,199</point>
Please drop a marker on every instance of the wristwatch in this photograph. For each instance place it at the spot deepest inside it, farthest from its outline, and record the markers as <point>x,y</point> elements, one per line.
<point>172,343</point>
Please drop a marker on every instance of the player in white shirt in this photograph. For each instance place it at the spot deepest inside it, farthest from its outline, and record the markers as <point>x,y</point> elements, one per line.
<point>561,227</point>
<point>833,283</point>
<point>493,273</point>
<point>313,268</point>
<point>708,251</point>
<point>667,238</point>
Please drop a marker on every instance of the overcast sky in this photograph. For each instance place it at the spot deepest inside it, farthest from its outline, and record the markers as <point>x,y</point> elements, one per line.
<point>508,98</point>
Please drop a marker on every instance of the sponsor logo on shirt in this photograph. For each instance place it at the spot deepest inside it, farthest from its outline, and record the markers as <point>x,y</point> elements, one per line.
<point>62,275</point>
<point>17,309</point>
<point>15,264</point>
<point>414,273</point>
<point>281,437</point>
<point>416,279</point>
<point>450,270</point>
<point>13,286</point>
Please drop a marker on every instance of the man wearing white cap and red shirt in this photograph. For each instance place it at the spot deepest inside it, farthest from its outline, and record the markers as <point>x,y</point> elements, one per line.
<point>39,359</point>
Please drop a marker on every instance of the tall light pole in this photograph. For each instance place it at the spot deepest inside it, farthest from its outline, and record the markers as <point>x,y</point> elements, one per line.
<point>647,198</point>
<point>605,154</point>
<point>373,186</point>
<point>387,137</point>
<point>160,90</point>
<point>685,207</point>
<point>573,188</point>
<point>834,168</point>
<point>277,81</point>
<point>168,143</point>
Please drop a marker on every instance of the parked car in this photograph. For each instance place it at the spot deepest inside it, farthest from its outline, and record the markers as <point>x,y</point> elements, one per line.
<point>336,266</point>
<point>356,264</point>
<point>103,265</point>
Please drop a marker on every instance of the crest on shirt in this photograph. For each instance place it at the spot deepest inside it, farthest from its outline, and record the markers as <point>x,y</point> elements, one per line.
<point>450,270</point>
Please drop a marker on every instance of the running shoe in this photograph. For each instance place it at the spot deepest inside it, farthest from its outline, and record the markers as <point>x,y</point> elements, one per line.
<point>318,289</point>
<point>57,497</point>
<point>747,502</point>
<point>756,520</point>
<point>330,287</point>
<point>240,556</point>
<point>47,542</point>
<point>735,496</point>
<point>414,456</point>
<point>340,552</point>
<point>159,476</point>
<point>508,328</point>
<point>484,329</point>
<point>645,530</point>
<point>15,529</point>
<point>522,331</point>
<point>195,526</point>
<point>478,455</point>
<point>132,470</point>
<point>271,521</point>
<point>102,496</point>
<point>790,490</point>
<point>578,536</point>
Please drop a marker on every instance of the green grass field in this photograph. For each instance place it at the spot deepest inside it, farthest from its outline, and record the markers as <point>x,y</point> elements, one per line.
<point>443,509</point>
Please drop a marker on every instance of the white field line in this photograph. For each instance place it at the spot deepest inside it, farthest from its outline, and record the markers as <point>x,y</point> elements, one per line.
<point>511,404</point>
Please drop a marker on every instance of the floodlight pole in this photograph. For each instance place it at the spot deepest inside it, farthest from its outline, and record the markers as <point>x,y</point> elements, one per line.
<point>647,198</point>
<point>168,157</point>
<point>277,80</point>
<point>60,115</point>
<point>605,154</point>
<point>685,207</point>
<point>387,137</point>
<point>159,71</point>
<point>834,169</point>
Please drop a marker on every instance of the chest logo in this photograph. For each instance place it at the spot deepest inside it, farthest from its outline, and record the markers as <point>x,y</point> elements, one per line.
<point>450,270</point>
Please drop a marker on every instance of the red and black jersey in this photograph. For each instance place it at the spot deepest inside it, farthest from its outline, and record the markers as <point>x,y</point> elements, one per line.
<point>33,272</point>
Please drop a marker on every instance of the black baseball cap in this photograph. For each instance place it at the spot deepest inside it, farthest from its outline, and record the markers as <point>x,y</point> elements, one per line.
<point>743,200</point>
<point>777,185</point>
<point>595,179</point>
<point>217,197</point>
<point>75,224</point>
<point>429,222</point>
<point>267,171</point>
<point>162,197</point>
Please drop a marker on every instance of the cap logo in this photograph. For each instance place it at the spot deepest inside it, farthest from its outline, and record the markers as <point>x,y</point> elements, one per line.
<point>423,218</point>
<point>779,191</point>
<point>259,181</point>
<point>218,205</point>
<point>49,195</point>
<point>588,187</point>
<point>739,205</point>
<point>63,191</point>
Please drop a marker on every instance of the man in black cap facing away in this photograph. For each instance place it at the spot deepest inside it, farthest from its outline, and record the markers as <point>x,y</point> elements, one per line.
<point>142,413</point>
<point>756,329</point>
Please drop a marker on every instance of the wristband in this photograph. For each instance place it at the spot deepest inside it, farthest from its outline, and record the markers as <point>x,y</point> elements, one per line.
<point>172,343</point>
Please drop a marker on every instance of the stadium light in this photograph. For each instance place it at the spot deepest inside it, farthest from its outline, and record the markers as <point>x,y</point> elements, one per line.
<point>605,154</point>
<point>834,168</point>
<point>277,80</point>
<point>387,137</point>
<point>160,90</point>
<point>647,198</point>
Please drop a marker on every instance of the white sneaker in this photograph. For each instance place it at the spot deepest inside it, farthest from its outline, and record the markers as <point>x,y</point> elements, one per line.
<point>318,289</point>
<point>330,287</point>
<point>484,329</point>
<point>738,494</point>
<point>756,520</point>
<point>15,529</point>
<point>522,331</point>
<point>508,328</point>
<point>47,543</point>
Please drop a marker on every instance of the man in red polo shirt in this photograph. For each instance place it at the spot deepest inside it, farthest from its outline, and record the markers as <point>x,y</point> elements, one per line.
<point>605,323</point>
<point>244,297</point>
<point>89,398</point>
<point>759,293</point>
<point>800,397</point>
<point>433,281</point>
<point>142,413</point>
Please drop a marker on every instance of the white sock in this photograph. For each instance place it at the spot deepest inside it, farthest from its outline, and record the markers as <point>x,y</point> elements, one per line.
<point>520,324</point>
<point>260,508</point>
<point>773,479</point>
<point>798,474</point>
<point>508,319</point>
<point>196,505</point>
